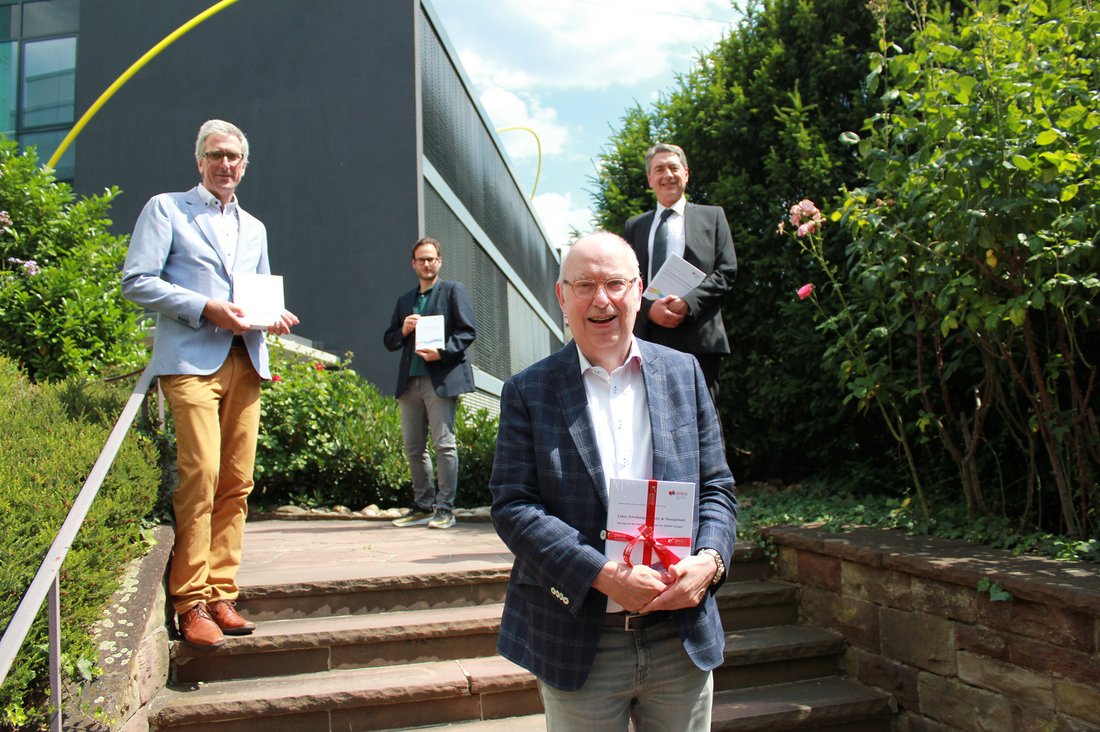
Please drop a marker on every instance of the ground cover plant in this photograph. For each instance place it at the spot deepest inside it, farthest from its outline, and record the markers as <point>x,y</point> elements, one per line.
<point>53,434</point>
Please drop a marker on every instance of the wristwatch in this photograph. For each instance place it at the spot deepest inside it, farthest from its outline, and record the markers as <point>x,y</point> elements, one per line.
<point>720,572</point>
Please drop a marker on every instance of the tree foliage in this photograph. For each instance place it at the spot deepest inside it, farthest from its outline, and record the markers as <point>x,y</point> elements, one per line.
<point>973,261</point>
<point>760,117</point>
<point>61,307</point>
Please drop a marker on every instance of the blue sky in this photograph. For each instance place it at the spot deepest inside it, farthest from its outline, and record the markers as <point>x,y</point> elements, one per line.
<point>569,69</point>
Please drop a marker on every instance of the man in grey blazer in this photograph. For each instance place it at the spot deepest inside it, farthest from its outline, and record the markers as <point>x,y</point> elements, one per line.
<point>701,235</point>
<point>429,380</point>
<point>609,405</point>
<point>185,250</point>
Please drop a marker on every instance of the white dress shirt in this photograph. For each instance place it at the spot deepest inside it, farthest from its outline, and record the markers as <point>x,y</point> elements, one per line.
<point>677,238</point>
<point>227,223</point>
<point>619,408</point>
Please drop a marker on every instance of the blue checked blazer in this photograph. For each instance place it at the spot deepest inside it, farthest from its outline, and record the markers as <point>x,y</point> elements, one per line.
<point>174,265</point>
<point>549,507</point>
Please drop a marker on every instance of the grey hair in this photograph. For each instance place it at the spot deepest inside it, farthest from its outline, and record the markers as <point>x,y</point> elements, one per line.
<point>219,127</point>
<point>665,147</point>
<point>603,235</point>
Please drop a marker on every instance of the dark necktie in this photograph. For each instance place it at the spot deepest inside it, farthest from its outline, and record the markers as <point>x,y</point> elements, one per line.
<point>660,242</point>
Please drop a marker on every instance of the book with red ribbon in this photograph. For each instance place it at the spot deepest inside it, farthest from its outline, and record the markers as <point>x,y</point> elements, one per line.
<point>649,522</point>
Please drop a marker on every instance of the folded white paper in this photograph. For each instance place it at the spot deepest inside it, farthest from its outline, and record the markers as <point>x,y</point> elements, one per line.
<point>676,277</point>
<point>649,522</point>
<point>261,298</point>
<point>429,332</point>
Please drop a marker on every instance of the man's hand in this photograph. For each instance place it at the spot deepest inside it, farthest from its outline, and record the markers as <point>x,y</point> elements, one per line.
<point>225,314</point>
<point>283,324</point>
<point>632,587</point>
<point>429,354</point>
<point>689,579</point>
<point>409,325</point>
<point>669,311</point>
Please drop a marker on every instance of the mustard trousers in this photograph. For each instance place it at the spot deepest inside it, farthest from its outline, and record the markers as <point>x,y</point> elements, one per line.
<point>217,419</point>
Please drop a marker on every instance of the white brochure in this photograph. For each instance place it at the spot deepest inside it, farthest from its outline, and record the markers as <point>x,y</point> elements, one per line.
<point>649,522</point>
<point>676,277</point>
<point>429,332</point>
<point>261,298</point>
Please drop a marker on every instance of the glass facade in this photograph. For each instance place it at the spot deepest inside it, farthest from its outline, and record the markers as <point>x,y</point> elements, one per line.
<point>38,75</point>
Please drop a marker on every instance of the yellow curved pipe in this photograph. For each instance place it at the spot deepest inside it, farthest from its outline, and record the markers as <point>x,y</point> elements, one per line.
<point>538,144</point>
<point>134,68</point>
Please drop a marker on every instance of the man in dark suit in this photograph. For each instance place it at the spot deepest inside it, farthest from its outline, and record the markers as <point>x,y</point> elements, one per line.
<point>609,405</point>
<point>701,235</point>
<point>184,253</point>
<point>429,381</point>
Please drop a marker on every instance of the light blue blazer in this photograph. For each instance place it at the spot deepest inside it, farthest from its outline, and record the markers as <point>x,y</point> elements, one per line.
<point>174,265</point>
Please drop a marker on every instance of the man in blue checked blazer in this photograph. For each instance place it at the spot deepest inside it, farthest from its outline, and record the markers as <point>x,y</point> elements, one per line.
<point>609,405</point>
<point>185,250</point>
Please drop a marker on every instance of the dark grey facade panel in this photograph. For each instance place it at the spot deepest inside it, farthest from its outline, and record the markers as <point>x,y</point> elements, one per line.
<point>325,91</point>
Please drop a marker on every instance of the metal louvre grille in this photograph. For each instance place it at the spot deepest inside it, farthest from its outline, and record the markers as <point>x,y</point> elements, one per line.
<point>464,260</point>
<point>460,147</point>
<point>526,333</point>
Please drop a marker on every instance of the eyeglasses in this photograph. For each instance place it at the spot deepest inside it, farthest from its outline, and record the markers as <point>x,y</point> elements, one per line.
<point>229,156</point>
<point>615,287</point>
<point>425,260</point>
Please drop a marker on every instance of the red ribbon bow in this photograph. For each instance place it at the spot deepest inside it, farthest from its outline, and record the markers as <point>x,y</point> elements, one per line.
<point>650,543</point>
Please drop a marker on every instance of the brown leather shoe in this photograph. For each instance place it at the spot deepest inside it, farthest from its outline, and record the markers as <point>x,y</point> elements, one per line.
<point>229,620</point>
<point>199,629</point>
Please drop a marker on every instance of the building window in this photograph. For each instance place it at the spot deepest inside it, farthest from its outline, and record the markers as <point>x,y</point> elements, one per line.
<point>38,75</point>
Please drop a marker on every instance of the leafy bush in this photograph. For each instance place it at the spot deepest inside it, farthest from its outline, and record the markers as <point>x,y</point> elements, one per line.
<point>53,434</point>
<point>61,307</point>
<point>329,437</point>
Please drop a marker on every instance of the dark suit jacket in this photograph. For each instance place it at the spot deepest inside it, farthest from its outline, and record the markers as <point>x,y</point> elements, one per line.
<point>550,508</point>
<point>452,374</point>
<point>709,246</point>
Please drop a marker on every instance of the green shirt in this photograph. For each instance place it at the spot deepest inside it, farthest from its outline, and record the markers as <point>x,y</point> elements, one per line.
<point>418,366</point>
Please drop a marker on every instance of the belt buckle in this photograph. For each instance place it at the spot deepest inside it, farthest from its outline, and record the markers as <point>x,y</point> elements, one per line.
<point>628,624</point>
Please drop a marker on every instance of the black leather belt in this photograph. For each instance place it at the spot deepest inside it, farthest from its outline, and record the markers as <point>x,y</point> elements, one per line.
<point>635,621</point>
<point>238,341</point>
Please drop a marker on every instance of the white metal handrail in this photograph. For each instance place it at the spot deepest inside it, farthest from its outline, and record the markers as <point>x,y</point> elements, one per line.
<point>45,583</point>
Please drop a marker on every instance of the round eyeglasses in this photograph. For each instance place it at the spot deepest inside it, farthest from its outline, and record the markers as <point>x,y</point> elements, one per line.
<point>615,287</point>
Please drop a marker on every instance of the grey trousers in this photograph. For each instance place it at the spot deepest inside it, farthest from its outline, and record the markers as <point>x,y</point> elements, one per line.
<point>423,412</point>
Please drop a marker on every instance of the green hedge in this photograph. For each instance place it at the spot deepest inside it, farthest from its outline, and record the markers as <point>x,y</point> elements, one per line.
<point>329,437</point>
<point>53,434</point>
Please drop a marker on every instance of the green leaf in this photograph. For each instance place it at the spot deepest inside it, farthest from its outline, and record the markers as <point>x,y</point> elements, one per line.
<point>1022,163</point>
<point>1069,192</point>
<point>849,138</point>
<point>1046,137</point>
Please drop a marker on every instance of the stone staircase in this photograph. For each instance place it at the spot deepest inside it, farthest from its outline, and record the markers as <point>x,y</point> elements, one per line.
<point>400,652</point>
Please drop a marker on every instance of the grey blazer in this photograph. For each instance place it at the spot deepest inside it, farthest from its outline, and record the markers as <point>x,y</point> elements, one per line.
<point>174,265</point>
<point>550,508</point>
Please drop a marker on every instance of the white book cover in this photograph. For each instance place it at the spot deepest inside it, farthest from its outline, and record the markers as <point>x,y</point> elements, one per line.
<point>429,332</point>
<point>261,298</point>
<point>677,276</point>
<point>649,522</point>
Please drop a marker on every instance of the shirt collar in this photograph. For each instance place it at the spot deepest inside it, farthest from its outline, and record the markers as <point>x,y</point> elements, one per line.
<point>212,201</point>
<point>678,207</point>
<point>633,355</point>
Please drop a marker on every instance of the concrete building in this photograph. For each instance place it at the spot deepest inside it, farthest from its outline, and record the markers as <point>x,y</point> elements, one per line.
<point>364,136</point>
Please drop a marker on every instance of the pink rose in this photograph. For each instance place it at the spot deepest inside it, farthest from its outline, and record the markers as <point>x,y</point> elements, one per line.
<point>276,377</point>
<point>805,291</point>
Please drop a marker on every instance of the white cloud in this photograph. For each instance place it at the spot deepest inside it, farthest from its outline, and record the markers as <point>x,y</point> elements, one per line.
<point>559,216</point>
<point>580,44</point>
<point>508,109</point>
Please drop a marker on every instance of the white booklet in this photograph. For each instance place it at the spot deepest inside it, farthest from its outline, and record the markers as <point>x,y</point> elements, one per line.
<point>649,522</point>
<point>677,276</point>
<point>261,298</point>
<point>429,332</point>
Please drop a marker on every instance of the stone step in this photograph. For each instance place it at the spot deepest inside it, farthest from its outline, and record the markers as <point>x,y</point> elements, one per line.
<point>388,697</point>
<point>324,598</point>
<point>493,686</point>
<point>837,706</point>
<point>301,645</point>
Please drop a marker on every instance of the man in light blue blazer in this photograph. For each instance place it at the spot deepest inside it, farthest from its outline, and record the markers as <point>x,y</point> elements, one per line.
<point>609,405</point>
<point>184,252</point>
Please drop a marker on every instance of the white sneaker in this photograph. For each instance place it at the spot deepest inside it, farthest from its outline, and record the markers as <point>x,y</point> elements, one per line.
<point>443,519</point>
